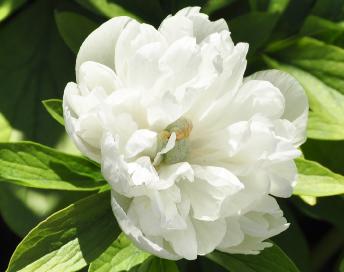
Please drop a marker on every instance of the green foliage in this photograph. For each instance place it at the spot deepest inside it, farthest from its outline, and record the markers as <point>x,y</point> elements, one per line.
<point>74,28</point>
<point>38,166</point>
<point>39,72</point>
<point>54,107</point>
<point>121,255</point>
<point>298,251</point>
<point>271,259</point>
<point>5,129</point>
<point>69,239</point>
<point>23,208</point>
<point>9,6</point>
<point>242,30</point>
<point>154,264</point>
<point>316,180</point>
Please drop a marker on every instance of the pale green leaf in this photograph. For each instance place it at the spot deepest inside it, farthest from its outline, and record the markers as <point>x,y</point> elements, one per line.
<point>74,28</point>
<point>33,165</point>
<point>310,200</point>
<point>270,259</point>
<point>5,129</point>
<point>316,180</point>
<point>54,107</point>
<point>9,6</point>
<point>122,255</point>
<point>69,239</point>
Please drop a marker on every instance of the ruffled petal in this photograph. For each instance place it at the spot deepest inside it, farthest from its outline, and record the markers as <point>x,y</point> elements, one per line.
<point>119,205</point>
<point>100,45</point>
<point>296,101</point>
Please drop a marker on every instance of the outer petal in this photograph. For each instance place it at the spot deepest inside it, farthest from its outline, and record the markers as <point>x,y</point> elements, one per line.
<point>296,106</point>
<point>73,104</point>
<point>184,242</point>
<point>209,234</point>
<point>202,26</point>
<point>100,45</point>
<point>119,205</point>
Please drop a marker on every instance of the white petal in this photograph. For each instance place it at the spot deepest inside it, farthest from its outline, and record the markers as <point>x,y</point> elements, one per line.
<point>142,140</point>
<point>202,26</point>
<point>233,235</point>
<point>142,172</point>
<point>119,205</point>
<point>75,128</point>
<point>283,178</point>
<point>209,234</point>
<point>169,146</point>
<point>171,174</point>
<point>184,242</point>
<point>208,192</point>
<point>296,107</point>
<point>257,97</point>
<point>100,45</point>
<point>132,38</point>
<point>95,75</point>
<point>176,27</point>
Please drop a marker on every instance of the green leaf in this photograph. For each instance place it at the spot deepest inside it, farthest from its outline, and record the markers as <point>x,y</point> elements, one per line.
<point>54,107</point>
<point>34,165</point>
<point>38,72</point>
<point>330,9</point>
<point>316,180</point>
<point>326,104</point>
<point>74,28</point>
<point>155,264</point>
<point>292,18</point>
<point>341,267</point>
<point>328,209</point>
<point>122,255</point>
<point>69,239</point>
<point>23,208</point>
<point>324,30</point>
<point>270,259</point>
<point>5,129</point>
<point>269,5</point>
<point>323,61</point>
<point>7,7</point>
<point>215,5</point>
<point>298,250</point>
<point>148,10</point>
<point>254,28</point>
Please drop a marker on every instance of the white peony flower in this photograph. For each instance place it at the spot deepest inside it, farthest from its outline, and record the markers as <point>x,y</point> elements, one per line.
<point>193,151</point>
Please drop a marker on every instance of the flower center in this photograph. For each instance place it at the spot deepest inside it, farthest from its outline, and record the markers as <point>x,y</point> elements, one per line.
<point>182,129</point>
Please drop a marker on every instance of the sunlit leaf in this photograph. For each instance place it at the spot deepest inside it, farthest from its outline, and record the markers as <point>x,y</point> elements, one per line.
<point>37,166</point>
<point>69,239</point>
<point>316,180</point>
<point>122,255</point>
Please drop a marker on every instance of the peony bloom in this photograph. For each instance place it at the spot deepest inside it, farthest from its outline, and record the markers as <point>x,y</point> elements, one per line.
<point>193,151</point>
